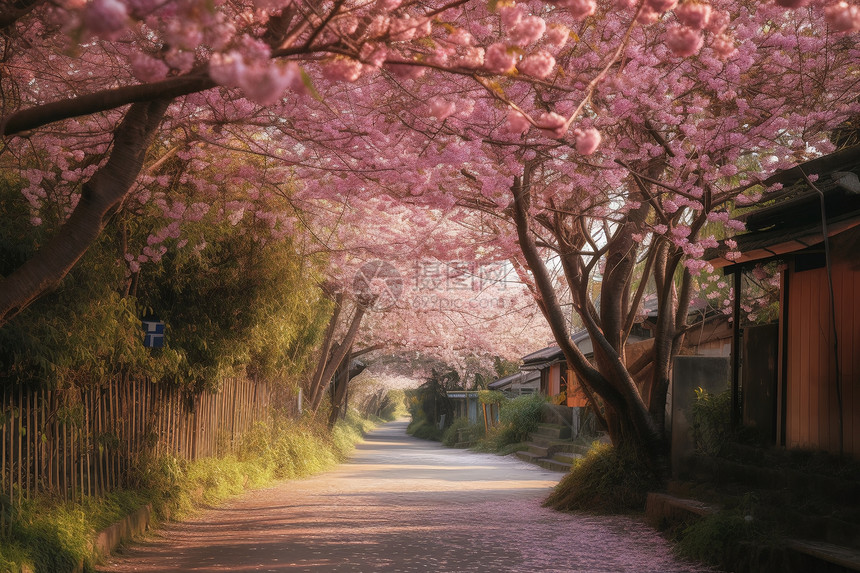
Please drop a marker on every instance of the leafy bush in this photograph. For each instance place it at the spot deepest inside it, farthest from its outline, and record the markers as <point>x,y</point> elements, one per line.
<point>451,436</point>
<point>711,423</point>
<point>714,538</point>
<point>518,418</point>
<point>491,397</point>
<point>424,430</point>
<point>607,480</point>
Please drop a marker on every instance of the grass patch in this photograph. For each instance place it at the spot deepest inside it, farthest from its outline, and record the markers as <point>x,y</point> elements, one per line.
<point>55,537</point>
<point>606,480</point>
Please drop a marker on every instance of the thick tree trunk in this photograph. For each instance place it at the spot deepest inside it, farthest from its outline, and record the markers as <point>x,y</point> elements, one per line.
<point>100,197</point>
<point>627,416</point>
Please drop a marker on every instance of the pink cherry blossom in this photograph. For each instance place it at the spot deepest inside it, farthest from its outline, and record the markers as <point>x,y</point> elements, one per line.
<point>342,69</point>
<point>683,41</point>
<point>499,59</point>
<point>557,35</point>
<point>511,15</point>
<point>587,140</point>
<point>461,37</point>
<point>106,18</point>
<point>227,69</point>
<point>580,9</point>
<point>792,3</point>
<point>517,122</point>
<point>266,84</point>
<point>842,17</point>
<point>552,124</point>
<point>695,265</point>
<point>661,6</point>
<point>147,68</point>
<point>440,108</point>
<point>540,64</point>
<point>694,14</point>
<point>529,30</point>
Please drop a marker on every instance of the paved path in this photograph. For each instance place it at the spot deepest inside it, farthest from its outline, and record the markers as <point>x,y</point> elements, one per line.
<point>403,504</point>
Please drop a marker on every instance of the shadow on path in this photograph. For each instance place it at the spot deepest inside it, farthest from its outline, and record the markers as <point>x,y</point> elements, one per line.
<point>402,504</point>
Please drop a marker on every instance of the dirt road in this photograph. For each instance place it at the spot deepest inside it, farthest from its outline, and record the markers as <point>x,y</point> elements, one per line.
<point>403,504</point>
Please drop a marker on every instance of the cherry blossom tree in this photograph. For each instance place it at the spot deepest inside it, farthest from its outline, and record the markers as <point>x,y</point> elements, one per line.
<point>611,136</point>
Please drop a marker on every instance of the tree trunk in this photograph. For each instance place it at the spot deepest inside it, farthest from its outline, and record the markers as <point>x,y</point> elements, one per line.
<point>100,197</point>
<point>315,386</point>
<point>339,354</point>
<point>340,396</point>
<point>626,414</point>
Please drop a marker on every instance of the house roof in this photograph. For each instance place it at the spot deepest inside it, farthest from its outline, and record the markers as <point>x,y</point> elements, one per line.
<point>552,354</point>
<point>521,377</point>
<point>542,358</point>
<point>793,221</point>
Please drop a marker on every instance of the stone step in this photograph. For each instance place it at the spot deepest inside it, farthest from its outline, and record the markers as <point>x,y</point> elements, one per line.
<point>528,457</point>
<point>664,510</point>
<point>552,431</point>
<point>553,465</point>
<point>567,457</point>
<point>541,451</point>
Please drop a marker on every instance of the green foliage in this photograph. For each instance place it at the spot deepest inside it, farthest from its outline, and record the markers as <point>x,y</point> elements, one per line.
<point>491,397</point>
<point>714,538</point>
<point>606,480</point>
<point>393,405</point>
<point>424,430</point>
<point>429,402</point>
<point>240,305</point>
<point>518,418</point>
<point>55,537</point>
<point>472,433</point>
<point>711,421</point>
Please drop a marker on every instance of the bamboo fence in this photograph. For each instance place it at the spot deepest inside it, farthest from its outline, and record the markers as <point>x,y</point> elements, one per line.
<point>86,442</point>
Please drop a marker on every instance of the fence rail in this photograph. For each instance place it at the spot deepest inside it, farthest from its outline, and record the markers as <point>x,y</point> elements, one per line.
<point>81,442</point>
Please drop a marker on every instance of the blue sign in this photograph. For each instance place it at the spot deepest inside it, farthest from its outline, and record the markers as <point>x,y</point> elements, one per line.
<point>153,336</point>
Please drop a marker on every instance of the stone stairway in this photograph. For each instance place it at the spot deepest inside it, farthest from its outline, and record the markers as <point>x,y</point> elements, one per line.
<point>551,448</point>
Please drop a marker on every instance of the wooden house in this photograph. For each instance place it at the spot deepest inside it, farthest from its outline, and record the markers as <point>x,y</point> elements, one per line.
<point>813,380</point>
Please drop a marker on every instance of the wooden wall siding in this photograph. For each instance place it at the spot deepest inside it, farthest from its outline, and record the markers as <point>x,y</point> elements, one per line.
<point>575,396</point>
<point>812,414</point>
<point>554,380</point>
<point>75,443</point>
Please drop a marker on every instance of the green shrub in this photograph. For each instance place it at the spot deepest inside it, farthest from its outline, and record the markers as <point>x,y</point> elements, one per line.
<point>491,397</point>
<point>606,480</point>
<point>425,430</point>
<point>714,538</point>
<point>522,415</point>
<point>451,436</point>
<point>711,421</point>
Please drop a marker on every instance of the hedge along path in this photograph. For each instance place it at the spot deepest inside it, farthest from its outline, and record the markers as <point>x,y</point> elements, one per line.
<point>403,504</point>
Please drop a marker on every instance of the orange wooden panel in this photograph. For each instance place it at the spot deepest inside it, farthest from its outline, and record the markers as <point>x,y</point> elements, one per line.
<point>575,396</point>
